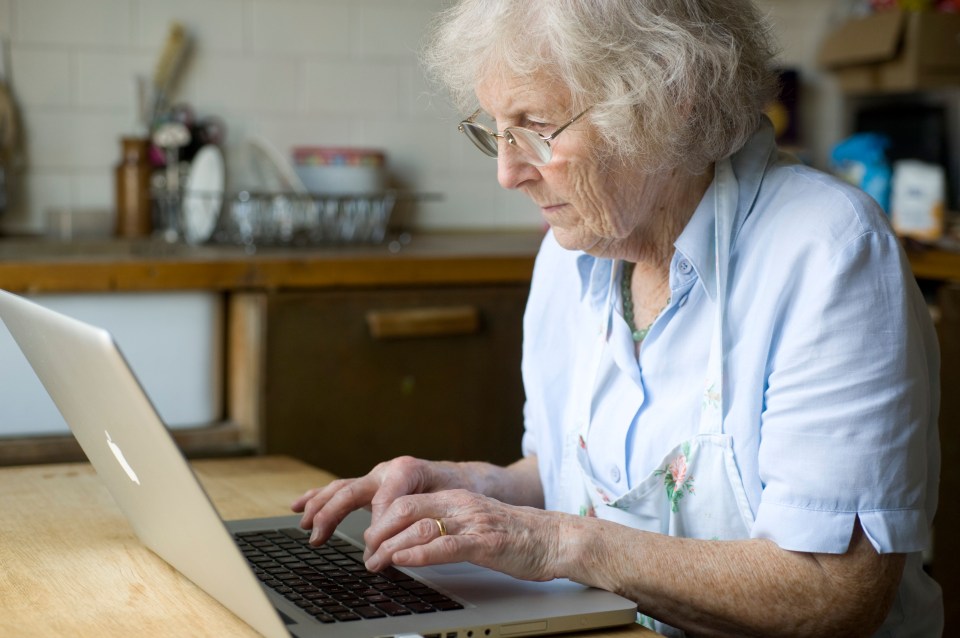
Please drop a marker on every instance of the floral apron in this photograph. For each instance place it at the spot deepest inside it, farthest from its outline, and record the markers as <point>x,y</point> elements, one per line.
<point>696,492</point>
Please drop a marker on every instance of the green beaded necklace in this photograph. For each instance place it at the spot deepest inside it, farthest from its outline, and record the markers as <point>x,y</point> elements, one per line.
<point>638,334</point>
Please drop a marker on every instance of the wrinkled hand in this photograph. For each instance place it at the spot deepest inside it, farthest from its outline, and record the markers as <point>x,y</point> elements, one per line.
<point>324,508</point>
<point>520,541</point>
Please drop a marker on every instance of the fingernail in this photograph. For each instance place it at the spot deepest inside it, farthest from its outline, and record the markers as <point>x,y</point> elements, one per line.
<point>372,565</point>
<point>314,535</point>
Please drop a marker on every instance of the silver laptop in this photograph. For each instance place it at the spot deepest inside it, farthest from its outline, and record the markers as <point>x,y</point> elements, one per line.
<point>242,563</point>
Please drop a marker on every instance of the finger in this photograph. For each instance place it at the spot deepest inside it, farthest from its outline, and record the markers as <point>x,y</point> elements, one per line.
<point>315,499</point>
<point>404,476</point>
<point>300,503</point>
<point>402,513</point>
<point>423,533</point>
<point>328,509</point>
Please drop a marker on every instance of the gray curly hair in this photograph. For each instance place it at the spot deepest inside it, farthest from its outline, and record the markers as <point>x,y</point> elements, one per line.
<point>671,83</point>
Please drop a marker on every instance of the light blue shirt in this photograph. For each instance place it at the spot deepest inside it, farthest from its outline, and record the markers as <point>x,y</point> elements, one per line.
<point>832,370</point>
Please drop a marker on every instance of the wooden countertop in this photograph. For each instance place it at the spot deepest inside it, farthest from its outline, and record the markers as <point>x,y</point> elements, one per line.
<point>73,567</point>
<point>42,266</point>
<point>35,266</point>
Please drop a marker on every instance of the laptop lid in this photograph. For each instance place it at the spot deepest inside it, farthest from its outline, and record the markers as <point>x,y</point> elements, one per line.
<point>121,433</point>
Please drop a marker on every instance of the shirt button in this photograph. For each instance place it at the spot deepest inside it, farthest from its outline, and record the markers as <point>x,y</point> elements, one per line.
<point>684,267</point>
<point>614,473</point>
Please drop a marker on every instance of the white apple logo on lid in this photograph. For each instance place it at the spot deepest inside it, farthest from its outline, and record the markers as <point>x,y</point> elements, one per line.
<point>118,453</point>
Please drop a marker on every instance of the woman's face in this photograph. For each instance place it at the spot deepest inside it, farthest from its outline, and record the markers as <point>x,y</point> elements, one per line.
<point>599,206</point>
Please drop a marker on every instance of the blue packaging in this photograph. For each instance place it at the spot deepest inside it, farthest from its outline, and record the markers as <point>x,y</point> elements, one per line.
<point>861,160</point>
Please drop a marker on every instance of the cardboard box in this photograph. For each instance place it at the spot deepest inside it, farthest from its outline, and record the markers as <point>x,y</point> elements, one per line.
<point>895,51</point>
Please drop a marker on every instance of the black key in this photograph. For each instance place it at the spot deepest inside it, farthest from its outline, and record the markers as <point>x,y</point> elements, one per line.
<point>395,575</point>
<point>294,532</point>
<point>346,617</point>
<point>369,612</point>
<point>393,609</point>
<point>321,616</point>
<point>420,608</point>
<point>448,605</point>
<point>316,595</point>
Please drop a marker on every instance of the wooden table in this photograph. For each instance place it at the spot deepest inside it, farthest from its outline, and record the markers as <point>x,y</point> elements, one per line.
<point>71,566</point>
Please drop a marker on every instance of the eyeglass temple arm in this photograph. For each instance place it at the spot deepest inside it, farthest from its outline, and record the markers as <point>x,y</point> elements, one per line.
<point>564,127</point>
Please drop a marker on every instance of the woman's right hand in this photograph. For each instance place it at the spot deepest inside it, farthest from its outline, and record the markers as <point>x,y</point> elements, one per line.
<point>324,508</point>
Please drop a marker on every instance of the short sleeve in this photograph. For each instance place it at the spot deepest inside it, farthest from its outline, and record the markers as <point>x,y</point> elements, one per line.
<point>849,418</point>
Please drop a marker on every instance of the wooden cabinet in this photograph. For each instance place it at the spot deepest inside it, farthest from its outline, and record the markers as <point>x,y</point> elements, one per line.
<point>355,377</point>
<point>946,525</point>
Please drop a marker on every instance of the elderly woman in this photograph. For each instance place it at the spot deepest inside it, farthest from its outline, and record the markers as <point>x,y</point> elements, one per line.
<point>731,377</point>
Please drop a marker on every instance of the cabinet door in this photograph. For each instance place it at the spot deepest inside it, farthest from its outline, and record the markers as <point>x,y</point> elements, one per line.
<point>433,384</point>
<point>946,525</point>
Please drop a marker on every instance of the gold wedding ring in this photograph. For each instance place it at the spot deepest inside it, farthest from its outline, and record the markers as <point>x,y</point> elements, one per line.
<point>441,526</point>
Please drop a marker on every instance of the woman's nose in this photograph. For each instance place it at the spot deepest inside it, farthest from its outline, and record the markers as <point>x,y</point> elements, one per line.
<point>512,168</point>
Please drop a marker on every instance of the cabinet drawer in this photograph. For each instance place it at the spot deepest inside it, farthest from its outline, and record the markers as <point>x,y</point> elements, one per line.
<point>357,377</point>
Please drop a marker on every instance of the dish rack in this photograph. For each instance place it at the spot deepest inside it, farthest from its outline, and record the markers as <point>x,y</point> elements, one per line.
<point>253,219</point>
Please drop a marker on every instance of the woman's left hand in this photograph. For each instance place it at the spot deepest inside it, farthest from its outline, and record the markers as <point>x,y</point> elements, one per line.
<point>521,541</point>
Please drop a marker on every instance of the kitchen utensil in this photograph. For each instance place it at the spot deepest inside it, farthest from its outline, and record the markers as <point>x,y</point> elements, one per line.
<point>171,137</point>
<point>168,67</point>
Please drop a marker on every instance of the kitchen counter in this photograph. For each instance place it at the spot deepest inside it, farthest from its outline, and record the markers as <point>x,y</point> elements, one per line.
<point>40,266</point>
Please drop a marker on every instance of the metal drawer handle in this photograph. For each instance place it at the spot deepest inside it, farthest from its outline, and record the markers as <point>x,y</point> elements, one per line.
<point>423,322</point>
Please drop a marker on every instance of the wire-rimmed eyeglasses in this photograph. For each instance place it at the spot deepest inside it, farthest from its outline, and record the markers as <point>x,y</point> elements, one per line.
<point>534,147</point>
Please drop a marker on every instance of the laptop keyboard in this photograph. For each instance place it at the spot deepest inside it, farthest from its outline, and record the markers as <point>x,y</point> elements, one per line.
<point>331,583</point>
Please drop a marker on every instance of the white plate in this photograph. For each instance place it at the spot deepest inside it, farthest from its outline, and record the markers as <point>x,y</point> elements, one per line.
<point>203,194</point>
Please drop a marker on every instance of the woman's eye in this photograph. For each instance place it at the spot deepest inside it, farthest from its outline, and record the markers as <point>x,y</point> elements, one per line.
<point>533,125</point>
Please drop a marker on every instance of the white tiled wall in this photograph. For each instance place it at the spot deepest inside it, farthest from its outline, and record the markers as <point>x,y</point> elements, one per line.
<point>295,72</point>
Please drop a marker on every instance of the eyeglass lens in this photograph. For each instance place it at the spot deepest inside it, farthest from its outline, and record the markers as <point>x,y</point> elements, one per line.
<point>533,147</point>
<point>480,137</point>
<point>536,149</point>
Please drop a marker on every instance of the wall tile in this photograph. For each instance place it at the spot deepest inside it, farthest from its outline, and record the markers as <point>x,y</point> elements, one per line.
<point>418,97</point>
<point>393,31</point>
<point>44,192</point>
<point>40,77</point>
<point>515,210</point>
<point>308,130</point>
<point>466,203</point>
<point>260,84</point>
<point>66,22</point>
<point>300,27</point>
<point>75,140</point>
<point>6,18</point>
<point>414,149</point>
<point>108,80</point>
<point>213,25</point>
<point>93,190</point>
<point>353,88</point>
